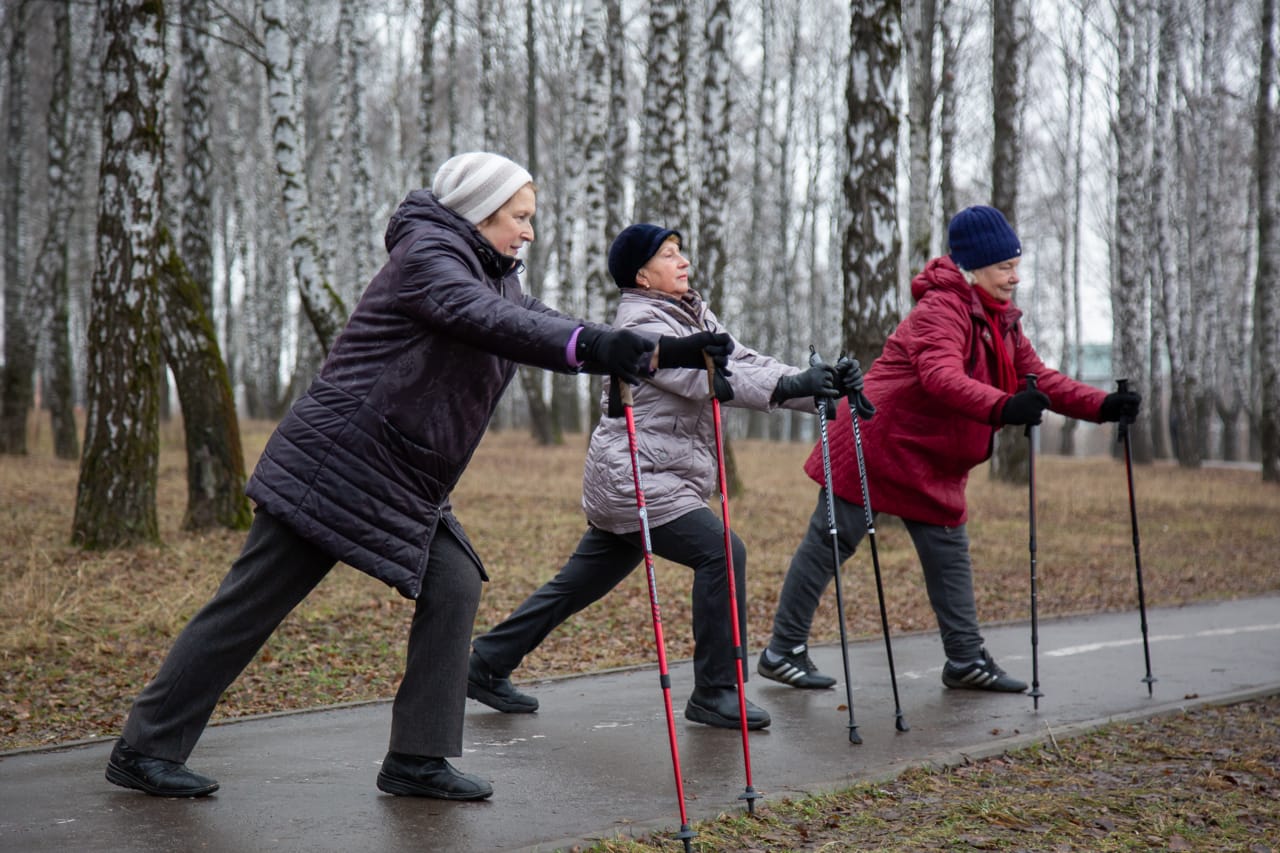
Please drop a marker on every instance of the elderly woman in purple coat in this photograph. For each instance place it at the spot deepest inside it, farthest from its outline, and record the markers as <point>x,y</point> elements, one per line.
<point>361,469</point>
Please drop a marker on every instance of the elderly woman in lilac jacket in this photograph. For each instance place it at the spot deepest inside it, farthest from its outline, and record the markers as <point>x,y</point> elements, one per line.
<point>360,471</point>
<point>678,470</point>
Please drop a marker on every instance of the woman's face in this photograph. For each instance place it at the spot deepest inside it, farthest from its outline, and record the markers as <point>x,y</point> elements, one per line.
<point>667,271</point>
<point>510,227</point>
<point>998,280</point>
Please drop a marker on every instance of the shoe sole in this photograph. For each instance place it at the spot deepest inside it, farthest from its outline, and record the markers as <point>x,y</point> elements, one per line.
<point>125,779</point>
<point>806,682</point>
<point>699,714</point>
<point>404,788</point>
<point>493,700</point>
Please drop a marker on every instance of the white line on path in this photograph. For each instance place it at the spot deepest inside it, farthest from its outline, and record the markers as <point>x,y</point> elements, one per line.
<point>1086,648</point>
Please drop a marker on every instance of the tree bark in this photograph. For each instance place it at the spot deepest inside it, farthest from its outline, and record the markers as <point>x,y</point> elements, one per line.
<point>1267,276</point>
<point>16,384</point>
<point>663,194</point>
<point>215,461</point>
<point>322,304</point>
<point>1010,462</point>
<point>871,243</point>
<point>920,17</point>
<point>116,496</point>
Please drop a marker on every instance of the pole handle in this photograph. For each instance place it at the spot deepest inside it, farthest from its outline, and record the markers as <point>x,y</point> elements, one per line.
<point>1031,382</point>
<point>711,373</point>
<point>624,391</point>
<point>825,406</point>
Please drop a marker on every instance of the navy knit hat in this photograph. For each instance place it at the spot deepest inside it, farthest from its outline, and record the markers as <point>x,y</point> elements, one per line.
<point>980,236</point>
<point>633,248</point>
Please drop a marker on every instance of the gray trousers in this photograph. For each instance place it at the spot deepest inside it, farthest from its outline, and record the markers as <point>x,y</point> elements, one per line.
<point>275,571</point>
<point>944,556</point>
<point>600,563</point>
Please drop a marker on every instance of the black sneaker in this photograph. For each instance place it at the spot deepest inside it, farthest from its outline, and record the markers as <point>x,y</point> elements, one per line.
<point>498,693</point>
<point>795,668</point>
<point>982,674</point>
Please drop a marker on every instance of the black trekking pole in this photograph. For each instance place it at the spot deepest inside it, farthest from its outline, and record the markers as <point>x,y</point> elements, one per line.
<point>1033,440</point>
<point>860,406</point>
<point>1122,385</point>
<point>664,678</point>
<point>825,412</point>
<point>750,794</point>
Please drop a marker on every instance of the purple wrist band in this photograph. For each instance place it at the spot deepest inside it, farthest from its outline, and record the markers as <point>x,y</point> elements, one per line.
<point>571,349</point>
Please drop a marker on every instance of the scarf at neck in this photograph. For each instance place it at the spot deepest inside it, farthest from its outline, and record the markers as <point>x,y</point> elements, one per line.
<point>1006,378</point>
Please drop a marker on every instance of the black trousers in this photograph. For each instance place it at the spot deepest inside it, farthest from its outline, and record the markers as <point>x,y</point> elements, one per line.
<point>275,571</point>
<point>600,563</point>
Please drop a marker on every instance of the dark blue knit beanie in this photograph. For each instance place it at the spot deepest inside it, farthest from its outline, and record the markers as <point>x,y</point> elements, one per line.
<point>633,248</point>
<point>980,236</point>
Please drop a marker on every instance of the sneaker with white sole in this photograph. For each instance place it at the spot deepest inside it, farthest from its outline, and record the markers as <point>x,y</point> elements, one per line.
<point>982,674</point>
<point>795,668</point>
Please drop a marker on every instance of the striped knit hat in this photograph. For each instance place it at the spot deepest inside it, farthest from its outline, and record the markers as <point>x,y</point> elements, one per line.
<point>475,185</point>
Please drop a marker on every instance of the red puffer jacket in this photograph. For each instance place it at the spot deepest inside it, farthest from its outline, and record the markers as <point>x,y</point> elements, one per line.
<point>936,408</point>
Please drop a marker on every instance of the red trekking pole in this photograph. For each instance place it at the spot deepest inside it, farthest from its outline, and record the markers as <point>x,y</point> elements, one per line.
<point>750,794</point>
<point>664,678</point>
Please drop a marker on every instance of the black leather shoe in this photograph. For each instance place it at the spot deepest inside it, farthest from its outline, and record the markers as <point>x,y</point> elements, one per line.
<point>129,768</point>
<point>499,693</point>
<point>418,776</point>
<point>718,706</point>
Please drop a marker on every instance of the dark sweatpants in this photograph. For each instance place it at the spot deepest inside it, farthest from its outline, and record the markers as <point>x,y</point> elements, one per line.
<point>944,556</point>
<point>275,571</point>
<point>600,563</point>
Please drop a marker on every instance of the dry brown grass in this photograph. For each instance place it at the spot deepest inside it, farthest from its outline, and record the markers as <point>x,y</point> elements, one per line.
<point>80,632</point>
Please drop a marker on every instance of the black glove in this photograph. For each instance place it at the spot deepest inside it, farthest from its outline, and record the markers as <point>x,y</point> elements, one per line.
<point>616,352</point>
<point>818,381</point>
<point>688,351</point>
<point>1120,406</point>
<point>848,376</point>
<point>1025,407</point>
<point>723,390</point>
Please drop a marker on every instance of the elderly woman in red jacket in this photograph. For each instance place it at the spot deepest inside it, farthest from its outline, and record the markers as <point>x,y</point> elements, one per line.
<point>950,376</point>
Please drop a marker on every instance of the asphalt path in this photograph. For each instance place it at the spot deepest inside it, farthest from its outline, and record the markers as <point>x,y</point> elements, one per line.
<point>595,761</point>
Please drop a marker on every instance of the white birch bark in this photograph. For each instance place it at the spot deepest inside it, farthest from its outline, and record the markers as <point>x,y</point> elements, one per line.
<point>322,304</point>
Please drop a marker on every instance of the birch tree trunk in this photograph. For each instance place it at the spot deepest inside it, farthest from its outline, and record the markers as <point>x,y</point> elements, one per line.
<point>197,165</point>
<point>49,278</point>
<point>871,243</point>
<point>427,156</point>
<point>1129,295</point>
<point>717,102</point>
<point>322,304</point>
<point>1010,462</point>
<point>1166,324</point>
<point>1267,281</point>
<point>215,460</point>
<point>16,388</point>
<point>919,20</point>
<point>543,427</point>
<point>947,112</point>
<point>663,194</point>
<point>116,496</point>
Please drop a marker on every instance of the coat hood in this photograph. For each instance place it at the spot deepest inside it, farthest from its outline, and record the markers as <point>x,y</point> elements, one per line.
<point>421,207</point>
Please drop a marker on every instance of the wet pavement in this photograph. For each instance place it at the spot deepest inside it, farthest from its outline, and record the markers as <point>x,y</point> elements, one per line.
<point>595,760</point>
